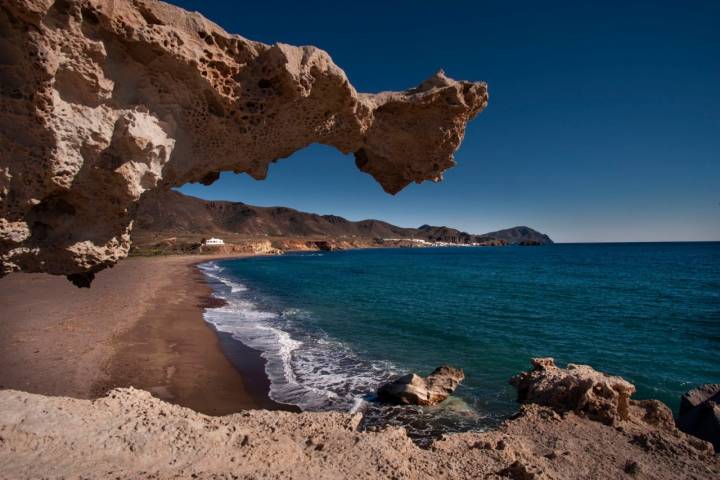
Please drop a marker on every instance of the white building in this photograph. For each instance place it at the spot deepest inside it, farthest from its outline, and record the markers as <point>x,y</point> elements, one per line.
<point>213,242</point>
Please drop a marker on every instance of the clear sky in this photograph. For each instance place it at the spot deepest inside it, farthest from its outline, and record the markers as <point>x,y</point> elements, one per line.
<point>603,122</point>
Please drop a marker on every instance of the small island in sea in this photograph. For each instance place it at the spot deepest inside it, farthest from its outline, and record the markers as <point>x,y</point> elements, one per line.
<point>155,325</point>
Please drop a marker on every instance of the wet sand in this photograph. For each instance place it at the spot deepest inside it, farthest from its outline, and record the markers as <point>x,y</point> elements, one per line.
<point>139,325</point>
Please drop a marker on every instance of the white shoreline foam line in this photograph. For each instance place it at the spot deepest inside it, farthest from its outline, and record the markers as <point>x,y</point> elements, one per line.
<point>213,270</point>
<point>287,345</point>
<point>318,373</point>
<point>242,320</point>
<point>319,368</point>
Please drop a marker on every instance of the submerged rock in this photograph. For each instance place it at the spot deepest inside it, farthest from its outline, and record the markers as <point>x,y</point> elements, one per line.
<point>700,413</point>
<point>412,389</point>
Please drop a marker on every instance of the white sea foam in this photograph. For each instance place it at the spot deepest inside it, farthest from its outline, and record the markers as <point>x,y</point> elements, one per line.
<point>306,368</point>
<point>358,403</point>
<point>214,271</point>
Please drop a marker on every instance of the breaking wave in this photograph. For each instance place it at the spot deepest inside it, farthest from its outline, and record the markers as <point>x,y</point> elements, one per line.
<point>305,366</point>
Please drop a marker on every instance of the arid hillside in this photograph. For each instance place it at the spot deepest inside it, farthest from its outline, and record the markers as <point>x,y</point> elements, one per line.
<point>172,214</point>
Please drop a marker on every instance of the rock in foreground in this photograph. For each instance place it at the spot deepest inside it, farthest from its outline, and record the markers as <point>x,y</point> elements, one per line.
<point>412,389</point>
<point>591,394</point>
<point>700,413</point>
<point>576,388</point>
<point>697,396</point>
<point>130,434</point>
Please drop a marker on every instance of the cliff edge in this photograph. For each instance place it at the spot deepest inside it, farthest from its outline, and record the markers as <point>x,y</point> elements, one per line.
<point>575,423</point>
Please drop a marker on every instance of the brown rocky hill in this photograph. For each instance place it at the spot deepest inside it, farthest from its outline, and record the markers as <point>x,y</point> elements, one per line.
<point>518,235</point>
<point>172,213</point>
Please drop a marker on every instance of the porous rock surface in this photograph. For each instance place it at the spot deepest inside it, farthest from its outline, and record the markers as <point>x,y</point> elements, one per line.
<point>577,388</point>
<point>103,100</point>
<point>130,434</point>
<point>412,389</point>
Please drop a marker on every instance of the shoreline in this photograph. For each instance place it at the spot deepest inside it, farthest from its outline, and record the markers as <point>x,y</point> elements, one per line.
<point>247,361</point>
<point>151,319</point>
<point>140,325</point>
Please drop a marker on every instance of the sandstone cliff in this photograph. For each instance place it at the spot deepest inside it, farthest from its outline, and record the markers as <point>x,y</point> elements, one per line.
<point>130,434</point>
<point>103,100</point>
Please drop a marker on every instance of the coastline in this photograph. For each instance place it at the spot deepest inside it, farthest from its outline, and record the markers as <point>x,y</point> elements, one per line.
<point>151,330</point>
<point>140,325</point>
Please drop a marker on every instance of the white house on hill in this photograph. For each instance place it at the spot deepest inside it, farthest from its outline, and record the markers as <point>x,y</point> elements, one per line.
<point>212,242</point>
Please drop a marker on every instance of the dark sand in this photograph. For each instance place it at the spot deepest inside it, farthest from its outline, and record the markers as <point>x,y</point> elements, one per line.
<point>139,325</point>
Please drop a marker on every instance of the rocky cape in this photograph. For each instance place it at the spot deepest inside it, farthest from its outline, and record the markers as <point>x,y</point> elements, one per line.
<point>169,219</point>
<point>104,100</point>
<point>574,423</point>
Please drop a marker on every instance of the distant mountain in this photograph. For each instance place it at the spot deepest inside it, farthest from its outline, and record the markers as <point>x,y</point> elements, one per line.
<point>517,235</point>
<point>512,236</point>
<point>172,213</point>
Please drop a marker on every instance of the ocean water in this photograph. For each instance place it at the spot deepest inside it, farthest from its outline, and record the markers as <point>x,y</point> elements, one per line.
<point>333,326</point>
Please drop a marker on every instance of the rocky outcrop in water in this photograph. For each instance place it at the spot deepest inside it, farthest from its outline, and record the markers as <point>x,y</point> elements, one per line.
<point>412,389</point>
<point>700,413</point>
<point>577,388</point>
<point>104,100</point>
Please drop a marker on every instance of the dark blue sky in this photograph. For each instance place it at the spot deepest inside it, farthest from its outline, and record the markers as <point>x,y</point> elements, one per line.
<point>603,122</point>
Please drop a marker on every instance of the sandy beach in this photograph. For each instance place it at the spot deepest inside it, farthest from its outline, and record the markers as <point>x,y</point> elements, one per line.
<point>139,325</point>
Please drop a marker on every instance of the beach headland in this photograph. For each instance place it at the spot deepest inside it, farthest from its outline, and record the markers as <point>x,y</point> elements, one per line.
<point>140,325</point>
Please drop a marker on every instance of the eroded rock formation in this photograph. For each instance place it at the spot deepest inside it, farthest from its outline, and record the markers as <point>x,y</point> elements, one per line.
<point>412,389</point>
<point>576,388</point>
<point>710,392</point>
<point>103,100</point>
<point>700,413</point>
<point>130,434</point>
<point>589,393</point>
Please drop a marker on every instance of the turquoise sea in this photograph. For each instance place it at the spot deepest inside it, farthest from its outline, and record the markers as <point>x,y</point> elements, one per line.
<point>333,326</point>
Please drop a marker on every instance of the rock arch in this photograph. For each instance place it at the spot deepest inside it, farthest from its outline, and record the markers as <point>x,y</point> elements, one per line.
<point>101,101</point>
